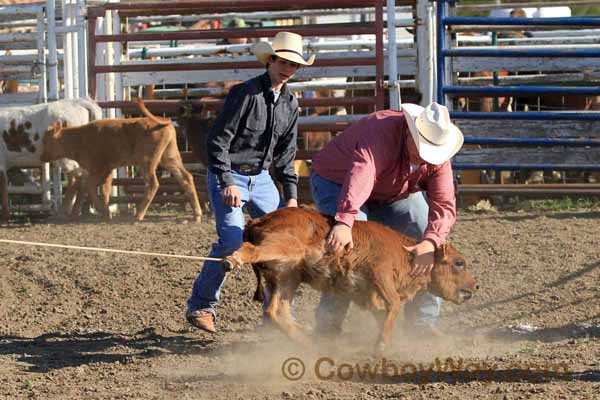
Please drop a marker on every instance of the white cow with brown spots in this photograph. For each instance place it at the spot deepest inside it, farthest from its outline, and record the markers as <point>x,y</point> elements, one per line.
<point>22,130</point>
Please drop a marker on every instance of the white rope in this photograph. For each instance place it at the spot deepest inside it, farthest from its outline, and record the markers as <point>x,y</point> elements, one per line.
<point>63,246</point>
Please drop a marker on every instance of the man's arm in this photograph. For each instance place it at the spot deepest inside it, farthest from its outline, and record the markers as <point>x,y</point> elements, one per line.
<point>222,133</point>
<point>442,204</point>
<point>442,215</point>
<point>284,155</point>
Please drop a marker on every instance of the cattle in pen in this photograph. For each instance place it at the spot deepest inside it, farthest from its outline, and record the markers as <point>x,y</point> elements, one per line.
<point>101,146</point>
<point>22,131</point>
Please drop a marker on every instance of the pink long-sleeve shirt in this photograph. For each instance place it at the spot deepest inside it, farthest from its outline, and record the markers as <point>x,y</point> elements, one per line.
<point>370,160</point>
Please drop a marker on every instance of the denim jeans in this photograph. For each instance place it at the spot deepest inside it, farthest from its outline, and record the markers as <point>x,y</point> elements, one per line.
<point>259,196</point>
<point>408,216</point>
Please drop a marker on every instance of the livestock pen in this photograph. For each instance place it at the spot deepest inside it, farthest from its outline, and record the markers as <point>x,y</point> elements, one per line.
<point>347,51</point>
<point>359,65</point>
<point>196,62</point>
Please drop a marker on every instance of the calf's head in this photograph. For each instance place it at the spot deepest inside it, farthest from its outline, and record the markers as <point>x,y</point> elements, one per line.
<point>52,148</point>
<point>450,278</point>
<point>195,121</point>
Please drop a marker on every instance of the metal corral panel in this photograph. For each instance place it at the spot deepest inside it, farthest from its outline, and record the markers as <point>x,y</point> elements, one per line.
<point>529,129</point>
<point>477,64</point>
<point>520,158</point>
<point>407,65</point>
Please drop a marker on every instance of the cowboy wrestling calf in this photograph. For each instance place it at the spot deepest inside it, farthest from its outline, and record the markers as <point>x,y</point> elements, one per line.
<point>287,247</point>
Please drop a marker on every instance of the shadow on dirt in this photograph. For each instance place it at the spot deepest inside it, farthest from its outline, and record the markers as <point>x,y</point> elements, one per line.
<point>547,335</point>
<point>559,282</point>
<point>570,215</point>
<point>56,351</point>
<point>542,375</point>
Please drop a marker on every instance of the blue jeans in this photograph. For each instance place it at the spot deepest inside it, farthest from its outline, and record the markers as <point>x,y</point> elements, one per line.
<point>259,196</point>
<point>408,216</point>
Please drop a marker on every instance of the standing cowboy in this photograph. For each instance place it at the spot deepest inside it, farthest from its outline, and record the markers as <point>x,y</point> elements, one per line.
<point>257,127</point>
<point>391,167</point>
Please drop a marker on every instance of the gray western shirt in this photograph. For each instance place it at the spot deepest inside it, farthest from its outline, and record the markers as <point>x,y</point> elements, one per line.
<point>253,131</point>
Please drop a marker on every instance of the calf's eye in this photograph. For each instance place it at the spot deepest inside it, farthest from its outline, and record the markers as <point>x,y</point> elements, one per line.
<point>459,264</point>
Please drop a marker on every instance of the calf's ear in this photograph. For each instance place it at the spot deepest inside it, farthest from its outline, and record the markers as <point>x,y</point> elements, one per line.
<point>441,253</point>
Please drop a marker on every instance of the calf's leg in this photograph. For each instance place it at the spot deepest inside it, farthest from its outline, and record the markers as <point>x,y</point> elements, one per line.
<point>73,185</point>
<point>81,195</point>
<point>279,265</point>
<point>291,253</point>
<point>151,187</point>
<point>95,178</point>
<point>388,324</point>
<point>105,189</point>
<point>279,309</point>
<point>385,283</point>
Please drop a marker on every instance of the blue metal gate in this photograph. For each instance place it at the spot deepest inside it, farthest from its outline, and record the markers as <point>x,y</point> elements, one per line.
<point>446,91</point>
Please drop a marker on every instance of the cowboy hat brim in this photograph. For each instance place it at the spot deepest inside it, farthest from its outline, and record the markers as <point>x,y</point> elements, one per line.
<point>429,152</point>
<point>263,50</point>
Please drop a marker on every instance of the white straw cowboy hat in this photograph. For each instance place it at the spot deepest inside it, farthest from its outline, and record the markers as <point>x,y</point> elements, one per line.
<point>436,137</point>
<point>285,45</point>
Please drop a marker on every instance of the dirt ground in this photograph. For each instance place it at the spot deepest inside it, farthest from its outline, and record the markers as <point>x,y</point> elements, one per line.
<point>77,324</point>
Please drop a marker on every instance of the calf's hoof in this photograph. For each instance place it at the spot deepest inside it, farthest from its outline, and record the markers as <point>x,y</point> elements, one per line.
<point>197,219</point>
<point>227,265</point>
<point>230,262</point>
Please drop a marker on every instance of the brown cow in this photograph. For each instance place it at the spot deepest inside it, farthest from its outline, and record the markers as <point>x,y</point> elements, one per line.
<point>195,121</point>
<point>287,247</point>
<point>101,146</point>
<point>22,130</point>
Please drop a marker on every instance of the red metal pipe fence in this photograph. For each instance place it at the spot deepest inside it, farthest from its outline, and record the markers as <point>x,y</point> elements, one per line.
<point>209,6</point>
<point>242,5</point>
<point>205,6</point>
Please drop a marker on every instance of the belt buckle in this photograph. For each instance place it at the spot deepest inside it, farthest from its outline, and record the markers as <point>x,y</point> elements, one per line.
<point>246,169</point>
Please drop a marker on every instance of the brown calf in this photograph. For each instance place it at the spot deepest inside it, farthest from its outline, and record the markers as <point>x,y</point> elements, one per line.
<point>195,121</point>
<point>101,146</point>
<point>288,248</point>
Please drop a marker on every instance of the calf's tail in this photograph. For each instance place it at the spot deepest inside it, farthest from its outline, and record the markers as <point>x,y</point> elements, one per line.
<point>148,114</point>
<point>259,294</point>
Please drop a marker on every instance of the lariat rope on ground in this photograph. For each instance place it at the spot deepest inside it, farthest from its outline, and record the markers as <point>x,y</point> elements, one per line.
<point>143,253</point>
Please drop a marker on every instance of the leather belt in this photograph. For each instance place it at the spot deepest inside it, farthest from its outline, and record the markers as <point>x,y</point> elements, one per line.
<point>247,169</point>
